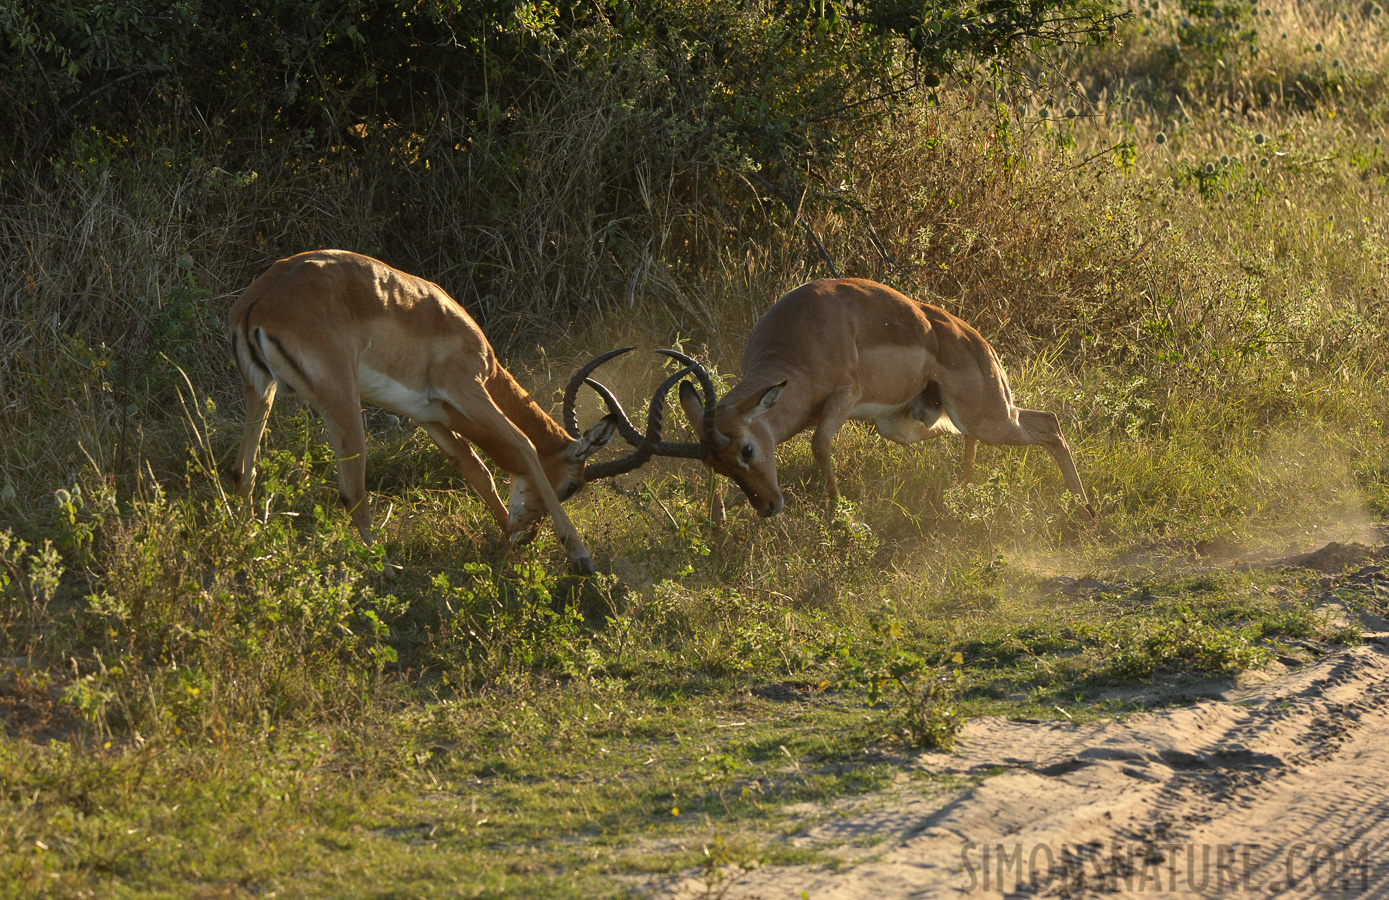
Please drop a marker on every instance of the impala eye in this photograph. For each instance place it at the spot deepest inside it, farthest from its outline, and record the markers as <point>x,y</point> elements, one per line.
<point>747,452</point>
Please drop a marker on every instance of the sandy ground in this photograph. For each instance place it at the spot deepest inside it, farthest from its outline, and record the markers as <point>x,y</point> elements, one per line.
<point>1277,787</point>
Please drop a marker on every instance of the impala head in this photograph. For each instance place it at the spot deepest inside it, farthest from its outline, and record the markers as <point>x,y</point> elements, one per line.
<point>739,445</point>
<point>570,470</point>
<point>569,467</point>
<point>732,439</point>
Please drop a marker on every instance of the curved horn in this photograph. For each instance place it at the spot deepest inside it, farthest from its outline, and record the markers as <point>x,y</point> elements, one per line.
<point>571,391</point>
<point>650,444</point>
<point>624,425</point>
<point>712,437</point>
<point>678,449</point>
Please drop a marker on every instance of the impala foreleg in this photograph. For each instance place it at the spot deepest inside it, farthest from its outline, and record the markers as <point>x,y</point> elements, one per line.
<point>475,404</point>
<point>343,418</point>
<point>833,415</point>
<point>525,518</point>
<point>473,469</point>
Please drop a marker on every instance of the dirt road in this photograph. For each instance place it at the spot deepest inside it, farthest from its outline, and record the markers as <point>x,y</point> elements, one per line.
<point>1276,789</point>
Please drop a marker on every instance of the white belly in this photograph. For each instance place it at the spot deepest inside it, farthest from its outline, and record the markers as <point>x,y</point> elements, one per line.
<point>382,390</point>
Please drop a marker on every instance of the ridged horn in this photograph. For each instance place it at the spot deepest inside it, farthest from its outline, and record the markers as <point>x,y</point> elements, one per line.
<point>713,439</point>
<point>624,425</point>
<point>650,443</point>
<point>571,393</point>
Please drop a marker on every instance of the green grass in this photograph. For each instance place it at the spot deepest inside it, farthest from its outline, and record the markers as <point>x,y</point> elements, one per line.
<point>549,787</point>
<point>563,792</point>
<point>263,709</point>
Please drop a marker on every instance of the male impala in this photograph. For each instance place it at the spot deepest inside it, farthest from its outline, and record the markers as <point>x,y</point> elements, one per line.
<point>340,328</point>
<point>841,349</point>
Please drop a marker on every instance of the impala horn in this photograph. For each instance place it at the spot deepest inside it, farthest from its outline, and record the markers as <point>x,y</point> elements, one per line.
<point>650,443</point>
<point>571,393</point>
<point>713,439</point>
<point>624,425</point>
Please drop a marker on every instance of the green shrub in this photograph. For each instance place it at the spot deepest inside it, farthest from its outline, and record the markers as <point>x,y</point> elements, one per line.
<point>921,698</point>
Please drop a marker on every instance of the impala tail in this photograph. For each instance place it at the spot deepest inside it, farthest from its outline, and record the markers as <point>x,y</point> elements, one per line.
<point>251,346</point>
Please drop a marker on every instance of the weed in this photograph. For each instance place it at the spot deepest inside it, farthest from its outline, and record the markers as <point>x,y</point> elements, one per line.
<point>922,698</point>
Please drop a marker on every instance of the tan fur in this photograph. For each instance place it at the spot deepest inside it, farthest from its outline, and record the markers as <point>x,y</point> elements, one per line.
<point>341,329</point>
<point>850,348</point>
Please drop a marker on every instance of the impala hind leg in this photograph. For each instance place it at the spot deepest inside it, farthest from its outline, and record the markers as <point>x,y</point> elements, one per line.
<point>1035,427</point>
<point>967,461</point>
<point>904,429</point>
<point>909,427</point>
<point>258,404</point>
<point>474,470</point>
<point>1046,426</point>
<point>471,400</point>
<point>343,417</point>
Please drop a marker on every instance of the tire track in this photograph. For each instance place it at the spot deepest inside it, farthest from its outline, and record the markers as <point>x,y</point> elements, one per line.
<point>1282,791</point>
<point>1317,826</point>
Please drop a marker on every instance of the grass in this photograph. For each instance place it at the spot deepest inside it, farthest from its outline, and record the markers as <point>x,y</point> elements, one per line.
<point>199,701</point>
<point>556,795</point>
<point>270,713</point>
<point>548,783</point>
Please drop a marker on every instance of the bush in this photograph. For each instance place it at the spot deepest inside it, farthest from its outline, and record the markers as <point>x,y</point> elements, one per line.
<point>770,79</point>
<point>922,699</point>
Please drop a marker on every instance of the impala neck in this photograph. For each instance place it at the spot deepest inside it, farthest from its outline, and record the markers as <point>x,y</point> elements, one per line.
<point>793,410</point>
<point>547,435</point>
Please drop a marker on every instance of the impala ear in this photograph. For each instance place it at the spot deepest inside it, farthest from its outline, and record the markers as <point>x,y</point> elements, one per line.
<point>595,439</point>
<point>753,407</point>
<point>693,406</point>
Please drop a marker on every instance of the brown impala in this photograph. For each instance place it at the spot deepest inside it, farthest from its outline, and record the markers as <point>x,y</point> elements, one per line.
<point>846,348</point>
<point>339,328</point>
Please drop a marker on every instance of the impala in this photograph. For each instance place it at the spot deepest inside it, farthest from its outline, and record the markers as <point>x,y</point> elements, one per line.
<point>340,329</point>
<point>847,348</point>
